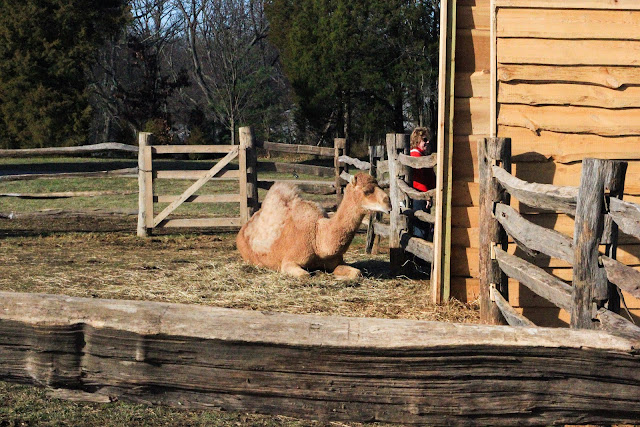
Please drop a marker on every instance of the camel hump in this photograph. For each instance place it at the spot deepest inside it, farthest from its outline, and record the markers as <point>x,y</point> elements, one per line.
<point>267,224</point>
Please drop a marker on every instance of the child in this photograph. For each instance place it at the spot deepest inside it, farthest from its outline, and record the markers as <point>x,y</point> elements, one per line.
<point>423,179</point>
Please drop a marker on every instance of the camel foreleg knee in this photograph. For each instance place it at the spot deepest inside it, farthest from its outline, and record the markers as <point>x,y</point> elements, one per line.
<point>346,272</point>
<point>293,269</point>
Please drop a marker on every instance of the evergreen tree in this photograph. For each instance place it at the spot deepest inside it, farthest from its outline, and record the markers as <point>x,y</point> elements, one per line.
<point>46,47</point>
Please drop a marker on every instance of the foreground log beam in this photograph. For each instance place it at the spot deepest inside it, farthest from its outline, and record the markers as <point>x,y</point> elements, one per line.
<point>330,368</point>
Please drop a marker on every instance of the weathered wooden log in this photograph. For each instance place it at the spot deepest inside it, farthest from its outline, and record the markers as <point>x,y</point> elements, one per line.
<point>617,325</point>
<point>129,172</point>
<point>415,194</point>
<point>626,215</point>
<point>248,175</point>
<point>145,185</point>
<point>398,223</point>
<point>313,187</point>
<point>186,149</point>
<point>490,152</point>
<point>429,161</point>
<point>321,171</point>
<point>297,149</point>
<point>60,213</point>
<point>420,215</point>
<point>381,229</point>
<point>346,177</point>
<point>328,368</point>
<point>544,196</point>
<point>67,194</point>
<point>512,317</point>
<point>589,223</point>
<point>530,236</point>
<point>535,278</point>
<point>359,164</point>
<point>83,149</point>
<point>417,246</point>
<point>623,276</point>
<point>376,154</point>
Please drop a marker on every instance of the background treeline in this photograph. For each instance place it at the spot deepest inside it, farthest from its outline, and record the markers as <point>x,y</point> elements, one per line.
<point>191,71</point>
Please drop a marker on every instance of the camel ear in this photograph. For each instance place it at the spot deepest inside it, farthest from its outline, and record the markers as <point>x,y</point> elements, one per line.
<point>353,180</point>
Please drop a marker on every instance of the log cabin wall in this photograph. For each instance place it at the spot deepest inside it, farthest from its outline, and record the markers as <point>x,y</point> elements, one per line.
<point>568,87</point>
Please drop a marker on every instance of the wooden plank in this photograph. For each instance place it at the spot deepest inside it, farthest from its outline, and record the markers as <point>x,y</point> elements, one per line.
<point>398,223</point>
<point>536,279</point>
<point>475,17</point>
<point>201,223</point>
<point>192,175</point>
<point>379,370</point>
<point>569,94</point>
<point>612,77</point>
<point>359,164</point>
<point>297,149</point>
<point>512,317</point>
<point>534,237</point>
<point>321,171</point>
<point>574,4</point>
<point>569,52</point>
<point>545,196</point>
<point>624,277</point>
<point>186,149</point>
<point>473,84</point>
<point>66,194</point>
<point>471,116</point>
<point>210,198</point>
<point>61,213</point>
<point>130,172</point>
<point>618,325</point>
<point>413,193</point>
<point>417,246</point>
<point>626,215</point>
<point>195,186</point>
<point>56,151</point>
<point>568,24</point>
<point>493,82</point>
<point>596,121</point>
<point>418,162</point>
<point>465,193</point>
<point>472,50</point>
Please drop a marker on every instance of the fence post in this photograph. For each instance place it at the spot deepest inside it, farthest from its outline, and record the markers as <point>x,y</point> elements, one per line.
<point>614,176</point>
<point>376,153</point>
<point>248,176</point>
<point>588,276</point>
<point>492,151</point>
<point>339,145</point>
<point>397,143</point>
<point>145,185</point>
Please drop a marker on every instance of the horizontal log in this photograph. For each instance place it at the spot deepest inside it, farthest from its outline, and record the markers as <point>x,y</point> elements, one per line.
<point>472,116</point>
<point>574,4</point>
<point>422,162</point>
<point>569,94</point>
<point>611,77</point>
<point>535,278</point>
<point>626,215</point>
<point>472,17</point>
<point>132,172</point>
<point>346,176</point>
<point>381,229</point>
<point>314,187</point>
<point>420,215</point>
<point>567,24</point>
<point>321,171</point>
<point>67,194</point>
<point>359,164</point>
<point>298,149</point>
<point>618,325</point>
<point>534,237</point>
<point>185,149</point>
<point>597,121</point>
<point>329,368</point>
<point>473,50</point>
<point>190,175</point>
<point>382,166</point>
<point>544,196</point>
<point>210,198</point>
<point>568,52</point>
<point>415,194</point>
<point>623,276</point>
<point>417,246</point>
<point>60,213</point>
<point>512,317</point>
<point>83,149</point>
<point>200,223</point>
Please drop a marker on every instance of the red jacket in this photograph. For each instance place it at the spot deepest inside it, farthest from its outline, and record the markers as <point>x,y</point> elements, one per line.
<point>423,179</point>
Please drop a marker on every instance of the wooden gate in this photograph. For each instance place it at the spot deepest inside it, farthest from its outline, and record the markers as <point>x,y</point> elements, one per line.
<point>247,195</point>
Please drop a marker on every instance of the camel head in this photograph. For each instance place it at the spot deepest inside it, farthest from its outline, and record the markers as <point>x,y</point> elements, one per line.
<point>370,195</point>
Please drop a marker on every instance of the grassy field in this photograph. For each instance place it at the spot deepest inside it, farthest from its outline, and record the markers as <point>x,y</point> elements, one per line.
<point>102,258</point>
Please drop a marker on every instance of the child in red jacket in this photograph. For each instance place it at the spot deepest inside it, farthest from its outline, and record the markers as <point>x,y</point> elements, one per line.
<point>423,179</point>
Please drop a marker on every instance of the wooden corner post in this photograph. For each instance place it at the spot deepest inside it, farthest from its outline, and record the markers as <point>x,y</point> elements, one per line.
<point>588,276</point>
<point>145,185</point>
<point>339,145</point>
<point>397,143</point>
<point>492,151</point>
<point>247,159</point>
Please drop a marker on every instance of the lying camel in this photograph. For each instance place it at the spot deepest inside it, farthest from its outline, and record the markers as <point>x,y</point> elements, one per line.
<point>293,235</point>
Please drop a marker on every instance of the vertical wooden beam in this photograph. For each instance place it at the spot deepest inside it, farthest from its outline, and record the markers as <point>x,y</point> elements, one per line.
<point>493,83</point>
<point>339,145</point>
<point>398,223</point>
<point>614,177</point>
<point>589,224</point>
<point>248,177</point>
<point>492,151</point>
<point>376,153</point>
<point>145,185</point>
<point>441,268</point>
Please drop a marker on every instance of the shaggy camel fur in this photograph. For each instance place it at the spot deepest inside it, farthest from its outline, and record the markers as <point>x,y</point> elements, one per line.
<point>290,234</point>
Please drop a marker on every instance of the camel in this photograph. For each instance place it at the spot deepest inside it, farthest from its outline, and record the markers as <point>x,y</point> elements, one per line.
<point>292,235</point>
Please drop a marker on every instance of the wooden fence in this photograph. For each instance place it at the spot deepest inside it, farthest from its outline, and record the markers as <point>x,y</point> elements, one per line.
<point>598,279</point>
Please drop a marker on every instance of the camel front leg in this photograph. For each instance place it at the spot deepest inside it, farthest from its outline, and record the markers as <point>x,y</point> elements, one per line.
<point>293,269</point>
<point>346,272</point>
